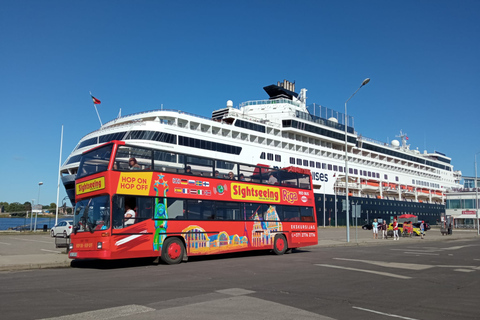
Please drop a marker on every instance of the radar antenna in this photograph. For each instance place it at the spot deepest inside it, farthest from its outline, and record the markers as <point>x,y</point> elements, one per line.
<point>404,138</point>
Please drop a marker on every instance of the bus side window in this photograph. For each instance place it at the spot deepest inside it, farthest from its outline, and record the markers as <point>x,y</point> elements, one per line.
<point>145,207</point>
<point>176,209</point>
<point>118,204</point>
<point>291,213</point>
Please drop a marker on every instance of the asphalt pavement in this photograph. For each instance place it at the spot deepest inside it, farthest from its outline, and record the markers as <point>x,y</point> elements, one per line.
<point>24,251</point>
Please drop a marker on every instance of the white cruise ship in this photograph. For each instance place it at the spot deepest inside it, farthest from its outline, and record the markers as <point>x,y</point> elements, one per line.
<point>385,179</point>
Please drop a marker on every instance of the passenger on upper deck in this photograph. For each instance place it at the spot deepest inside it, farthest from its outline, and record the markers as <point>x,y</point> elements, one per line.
<point>271,179</point>
<point>241,177</point>
<point>231,176</point>
<point>132,162</point>
<point>188,170</point>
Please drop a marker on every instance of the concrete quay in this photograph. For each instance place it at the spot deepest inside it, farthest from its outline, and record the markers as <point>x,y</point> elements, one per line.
<point>24,251</point>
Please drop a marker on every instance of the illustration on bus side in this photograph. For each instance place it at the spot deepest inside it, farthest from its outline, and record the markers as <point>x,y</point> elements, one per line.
<point>160,214</point>
<point>266,225</point>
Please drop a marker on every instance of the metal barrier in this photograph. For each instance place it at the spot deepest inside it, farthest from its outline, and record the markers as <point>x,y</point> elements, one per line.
<point>62,242</point>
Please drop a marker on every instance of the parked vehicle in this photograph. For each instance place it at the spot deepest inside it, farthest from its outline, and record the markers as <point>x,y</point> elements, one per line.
<point>415,231</point>
<point>62,228</point>
<point>367,226</point>
<point>425,225</point>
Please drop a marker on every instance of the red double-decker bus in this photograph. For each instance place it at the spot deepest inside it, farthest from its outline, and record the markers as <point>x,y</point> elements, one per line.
<point>134,202</point>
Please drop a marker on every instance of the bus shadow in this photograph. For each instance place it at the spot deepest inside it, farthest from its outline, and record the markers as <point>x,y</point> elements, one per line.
<point>142,262</point>
<point>111,264</point>
<point>243,254</point>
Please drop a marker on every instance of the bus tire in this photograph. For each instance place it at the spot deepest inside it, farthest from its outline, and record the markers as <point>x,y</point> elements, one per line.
<point>172,251</point>
<point>280,244</point>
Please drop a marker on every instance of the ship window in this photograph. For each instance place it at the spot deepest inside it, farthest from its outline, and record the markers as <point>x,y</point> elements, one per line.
<point>262,155</point>
<point>324,165</point>
<point>292,160</point>
<point>278,158</point>
<point>369,174</point>
<point>355,170</point>
<point>340,168</point>
<point>74,159</point>
<point>305,163</point>
<point>318,165</point>
<point>214,146</point>
<point>88,142</point>
<point>378,175</point>
<point>329,167</point>
<point>299,161</point>
<point>335,168</point>
<point>396,178</point>
<point>270,156</point>
<point>312,164</point>
<point>111,136</point>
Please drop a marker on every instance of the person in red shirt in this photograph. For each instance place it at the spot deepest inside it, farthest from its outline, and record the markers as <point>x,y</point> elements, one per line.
<point>395,230</point>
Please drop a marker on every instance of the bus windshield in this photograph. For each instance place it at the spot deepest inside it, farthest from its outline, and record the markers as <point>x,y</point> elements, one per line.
<point>92,214</point>
<point>95,161</point>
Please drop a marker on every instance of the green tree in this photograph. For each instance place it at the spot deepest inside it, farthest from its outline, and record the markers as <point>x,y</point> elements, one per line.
<point>28,206</point>
<point>53,206</point>
<point>16,207</point>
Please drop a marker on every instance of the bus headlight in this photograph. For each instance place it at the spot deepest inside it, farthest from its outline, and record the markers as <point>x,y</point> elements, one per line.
<point>99,245</point>
<point>70,246</point>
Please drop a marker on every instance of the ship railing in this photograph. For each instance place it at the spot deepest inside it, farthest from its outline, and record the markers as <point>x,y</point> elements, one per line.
<point>274,101</point>
<point>240,115</point>
<point>362,138</point>
<point>156,110</point>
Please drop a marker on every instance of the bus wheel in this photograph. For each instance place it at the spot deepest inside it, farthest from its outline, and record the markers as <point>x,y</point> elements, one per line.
<point>172,251</point>
<point>280,245</point>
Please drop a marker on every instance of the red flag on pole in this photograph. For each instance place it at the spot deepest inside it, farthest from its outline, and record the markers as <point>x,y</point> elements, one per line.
<point>95,100</point>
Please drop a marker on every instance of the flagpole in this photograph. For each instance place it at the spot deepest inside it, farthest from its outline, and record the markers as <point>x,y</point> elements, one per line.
<point>98,115</point>
<point>58,184</point>
<point>96,111</point>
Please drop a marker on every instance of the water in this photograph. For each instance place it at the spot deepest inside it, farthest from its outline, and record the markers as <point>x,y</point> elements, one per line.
<point>6,223</point>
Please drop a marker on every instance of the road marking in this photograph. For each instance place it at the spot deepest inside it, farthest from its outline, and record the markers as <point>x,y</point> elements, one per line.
<point>458,247</point>
<point>384,314</point>
<point>32,240</point>
<point>50,251</point>
<point>408,266</point>
<point>8,244</point>
<point>463,267</point>
<point>463,270</point>
<point>398,265</point>
<point>422,253</point>
<point>109,313</point>
<point>386,274</point>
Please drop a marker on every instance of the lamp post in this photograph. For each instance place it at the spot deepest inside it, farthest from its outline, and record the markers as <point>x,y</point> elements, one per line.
<point>476,195</point>
<point>346,159</point>
<point>31,215</point>
<point>38,203</point>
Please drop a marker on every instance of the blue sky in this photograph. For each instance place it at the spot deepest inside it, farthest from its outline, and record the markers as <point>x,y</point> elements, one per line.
<point>421,56</point>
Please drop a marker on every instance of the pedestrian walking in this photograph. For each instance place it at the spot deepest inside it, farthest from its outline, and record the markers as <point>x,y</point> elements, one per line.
<point>422,229</point>
<point>395,230</point>
<point>384,229</point>
<point>375,229</point>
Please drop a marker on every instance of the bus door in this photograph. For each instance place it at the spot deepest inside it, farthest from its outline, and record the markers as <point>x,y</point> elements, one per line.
<point>133,228</point>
